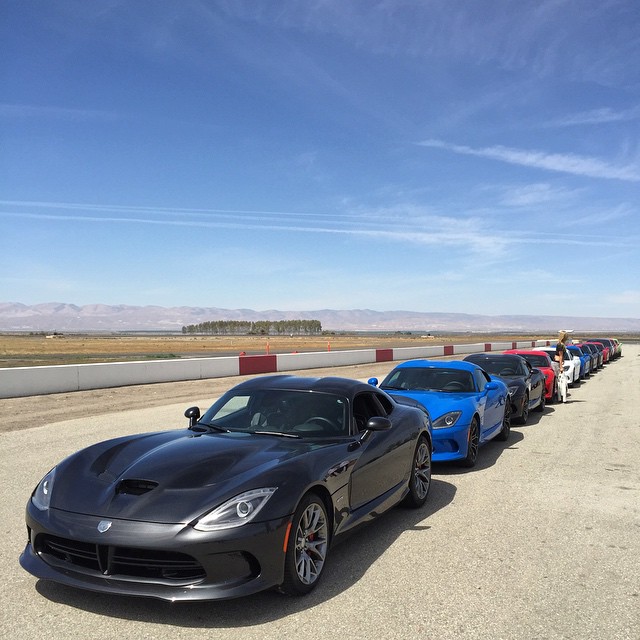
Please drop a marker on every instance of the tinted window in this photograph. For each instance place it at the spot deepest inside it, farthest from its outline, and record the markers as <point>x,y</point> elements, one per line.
<point>501,366</point>
<point>481,379</point>
<point>429,379</point>
<point>537,361</point>
<point>368,405</point>
<point>303,413</point>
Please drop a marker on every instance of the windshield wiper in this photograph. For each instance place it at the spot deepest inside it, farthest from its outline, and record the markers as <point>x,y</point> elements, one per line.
<point>276,433</point>
<point>209,426</point>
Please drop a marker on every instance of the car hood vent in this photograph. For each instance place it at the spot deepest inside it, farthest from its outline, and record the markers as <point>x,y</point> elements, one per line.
<point>135,487</point>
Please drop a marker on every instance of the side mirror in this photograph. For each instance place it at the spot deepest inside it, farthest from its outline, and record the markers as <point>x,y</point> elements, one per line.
<point>378,423</point>
<point>491,386</point>
<point>193,413</point>
<point>373,382</point>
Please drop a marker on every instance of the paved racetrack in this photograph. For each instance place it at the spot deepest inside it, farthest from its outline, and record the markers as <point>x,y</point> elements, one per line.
<point>541,540</point>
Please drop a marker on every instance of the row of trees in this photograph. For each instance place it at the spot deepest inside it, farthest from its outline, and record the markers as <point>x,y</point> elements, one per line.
<point>259,328</point>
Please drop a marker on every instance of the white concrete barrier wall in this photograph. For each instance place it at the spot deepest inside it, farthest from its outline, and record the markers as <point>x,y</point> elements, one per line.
<point>122,374</point>
<point>30,381</point>
<point>411,353</point>
<point>294,361</point>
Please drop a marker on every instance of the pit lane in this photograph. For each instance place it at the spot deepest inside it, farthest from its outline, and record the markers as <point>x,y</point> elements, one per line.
<point>540,540</point>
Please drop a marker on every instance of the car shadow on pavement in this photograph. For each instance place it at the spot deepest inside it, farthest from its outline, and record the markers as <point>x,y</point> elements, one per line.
<point>349,559</point>
<point>487,456</point>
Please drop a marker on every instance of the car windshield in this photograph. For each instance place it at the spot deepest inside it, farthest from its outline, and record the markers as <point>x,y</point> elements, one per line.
<point>280,412</point>
<point>500,367</point>
<point>537,361</point>
<point>429,379</point>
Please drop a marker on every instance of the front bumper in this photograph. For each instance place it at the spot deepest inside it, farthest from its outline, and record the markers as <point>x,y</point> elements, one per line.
<point>166,561</point>
<point>450,443</point>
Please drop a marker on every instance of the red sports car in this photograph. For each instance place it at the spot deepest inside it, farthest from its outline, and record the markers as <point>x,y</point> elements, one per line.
<point>541,360</point>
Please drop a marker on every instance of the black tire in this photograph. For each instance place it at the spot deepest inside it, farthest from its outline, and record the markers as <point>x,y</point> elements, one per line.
<point>543,401</point>
<point>307,548</point>
<point>525,410</point>
<point>503,436</point>
<point>420,479</point>
<point>473,443</point>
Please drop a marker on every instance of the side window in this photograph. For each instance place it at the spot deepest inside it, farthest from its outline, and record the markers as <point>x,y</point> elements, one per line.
<point>526,368</point>
<point>385,404</point>
<point>481,379</point>
<point>367,405</point>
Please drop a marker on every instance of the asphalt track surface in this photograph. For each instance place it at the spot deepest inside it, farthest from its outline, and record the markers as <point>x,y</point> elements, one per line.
<point>540,541</point>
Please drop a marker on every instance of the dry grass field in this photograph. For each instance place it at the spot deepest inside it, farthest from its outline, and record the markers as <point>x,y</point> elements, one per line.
<point>21,350</point>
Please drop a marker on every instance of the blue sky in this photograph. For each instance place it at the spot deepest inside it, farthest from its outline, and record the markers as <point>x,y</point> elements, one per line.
<point>433,155</point>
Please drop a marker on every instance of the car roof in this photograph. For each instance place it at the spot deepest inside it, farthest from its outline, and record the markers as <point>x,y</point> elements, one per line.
<point>479,357</point>
<point>329,384</point>
<point>459,365</point>
<point>523,352</point>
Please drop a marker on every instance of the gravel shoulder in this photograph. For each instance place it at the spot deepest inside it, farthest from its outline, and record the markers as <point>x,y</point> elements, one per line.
<point>35,411</point>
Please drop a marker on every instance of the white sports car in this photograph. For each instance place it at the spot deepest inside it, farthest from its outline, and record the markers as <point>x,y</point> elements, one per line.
<point>571,363</point>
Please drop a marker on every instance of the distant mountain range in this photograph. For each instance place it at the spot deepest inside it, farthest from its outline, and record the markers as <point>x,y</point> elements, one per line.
<point>61,317</point>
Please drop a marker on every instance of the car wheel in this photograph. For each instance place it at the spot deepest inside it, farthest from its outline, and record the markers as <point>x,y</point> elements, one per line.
<point>554,392</point>
<point>473,442</point>
<point>420,480</point>
<point>525,410</point>
<point>543,401</point>
<point>307,546</point>
<point>506,423</point>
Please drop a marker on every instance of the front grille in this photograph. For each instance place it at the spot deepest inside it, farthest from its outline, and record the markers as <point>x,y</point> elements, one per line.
<point>119,561</point>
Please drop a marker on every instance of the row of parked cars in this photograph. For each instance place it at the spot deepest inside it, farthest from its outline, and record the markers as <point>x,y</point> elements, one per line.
<point>251,495</point>
<point>477,399</point>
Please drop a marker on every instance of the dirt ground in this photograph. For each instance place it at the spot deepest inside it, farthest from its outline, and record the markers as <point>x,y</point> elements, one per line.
<point>18,350</point>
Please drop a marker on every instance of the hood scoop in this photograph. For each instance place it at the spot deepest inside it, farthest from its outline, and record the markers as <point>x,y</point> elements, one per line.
<point>135,487</point>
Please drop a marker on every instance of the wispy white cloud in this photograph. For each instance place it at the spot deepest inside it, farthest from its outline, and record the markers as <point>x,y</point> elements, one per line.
<point>604,115</point>
<point>600,216</point>
<point>535,194</point>
<point>563,163</point>
<point>401,224</point>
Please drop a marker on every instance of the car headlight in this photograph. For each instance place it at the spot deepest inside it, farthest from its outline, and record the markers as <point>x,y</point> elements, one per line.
<point>513,391</point>
<point>236,511</point>
<point>41,496</point>
<point>447,420</point>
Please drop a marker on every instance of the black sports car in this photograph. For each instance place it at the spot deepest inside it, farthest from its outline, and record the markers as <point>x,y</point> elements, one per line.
<point>248,497</point>
<point>526,384</point>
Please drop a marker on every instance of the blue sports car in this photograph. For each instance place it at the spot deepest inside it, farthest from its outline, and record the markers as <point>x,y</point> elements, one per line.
<point>585,360</point>
<point>466,406</point>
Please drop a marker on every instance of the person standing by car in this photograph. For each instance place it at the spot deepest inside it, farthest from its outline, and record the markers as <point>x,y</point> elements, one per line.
<point>559,358</point>
<point>560,349</point>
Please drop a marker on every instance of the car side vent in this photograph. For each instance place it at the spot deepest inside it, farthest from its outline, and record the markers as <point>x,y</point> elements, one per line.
<point>135,487</point>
